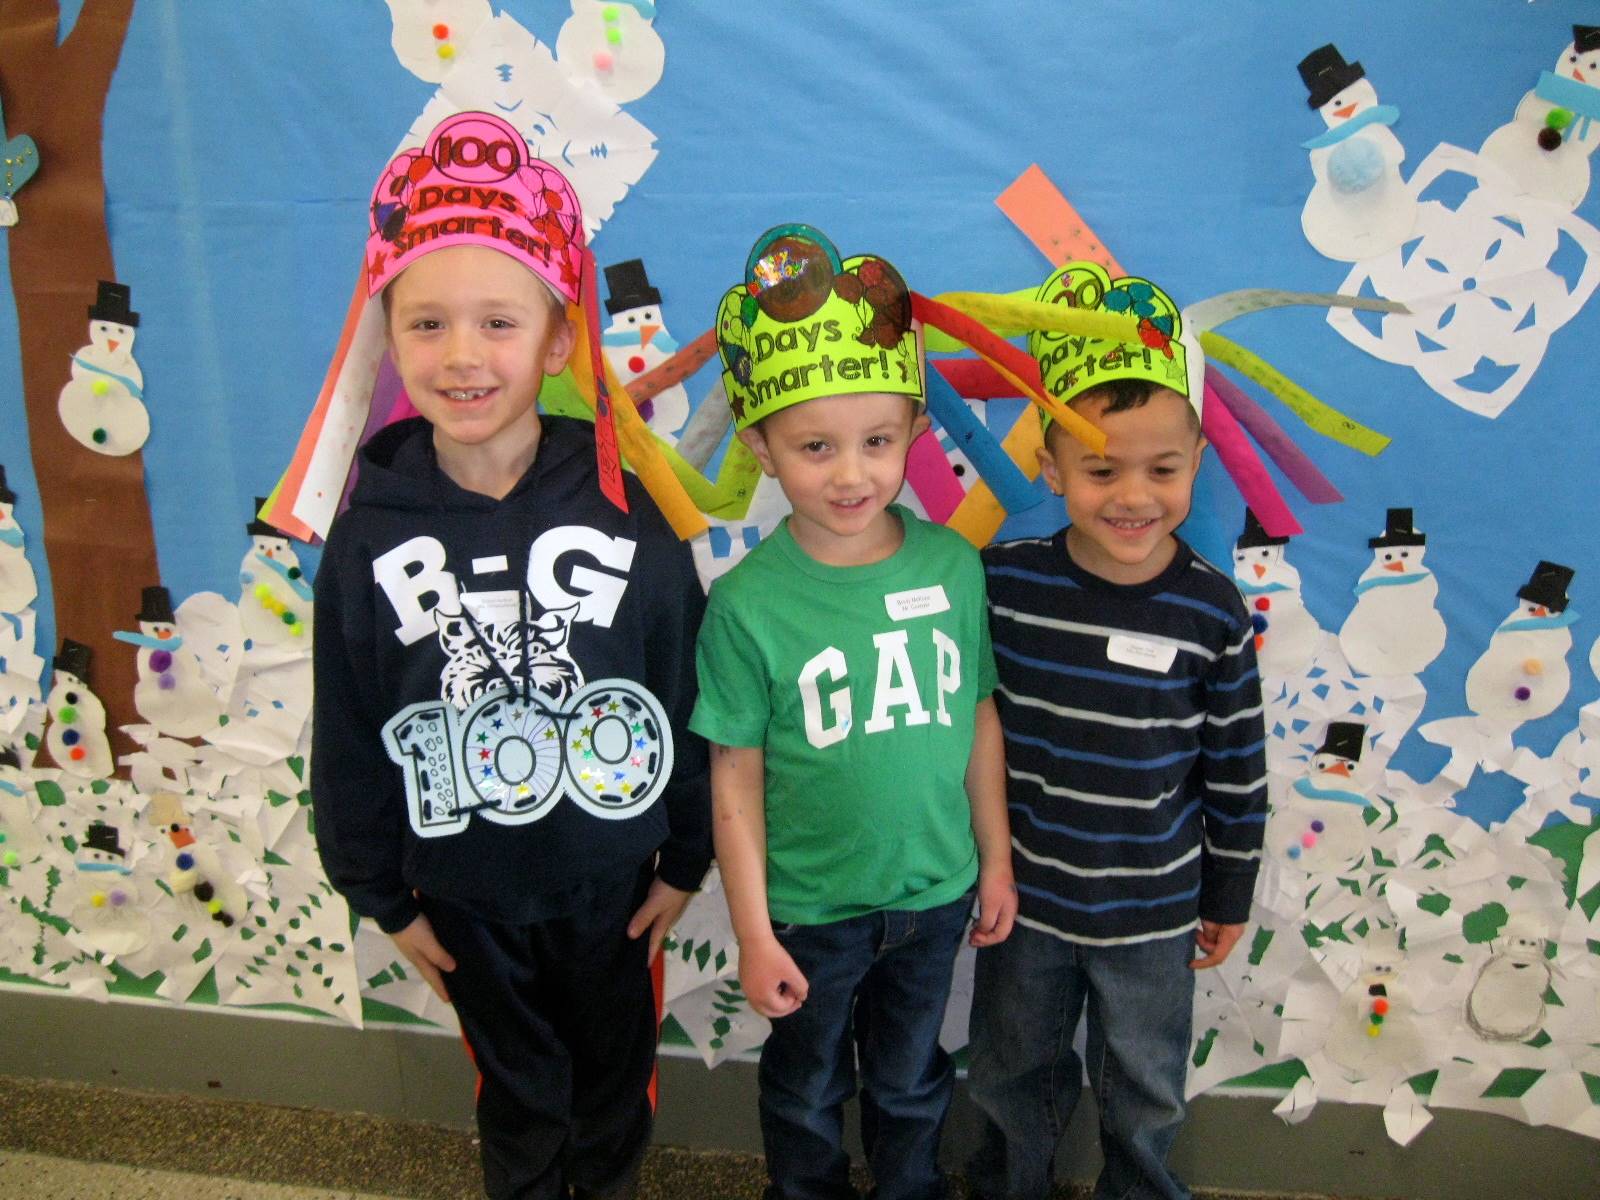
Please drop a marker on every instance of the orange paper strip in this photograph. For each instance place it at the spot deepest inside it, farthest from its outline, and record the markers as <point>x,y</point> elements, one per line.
<point>1037,207</point>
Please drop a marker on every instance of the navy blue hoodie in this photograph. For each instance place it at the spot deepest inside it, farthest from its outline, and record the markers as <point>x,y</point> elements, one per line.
<point>503,688</point>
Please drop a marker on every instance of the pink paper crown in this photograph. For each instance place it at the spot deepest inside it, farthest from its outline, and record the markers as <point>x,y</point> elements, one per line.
<point>474,184</point>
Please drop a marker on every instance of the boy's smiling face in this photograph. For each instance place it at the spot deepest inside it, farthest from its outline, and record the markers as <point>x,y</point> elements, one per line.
<point>840,460</point>
<point>1124,507</point>
<point>473,333</point>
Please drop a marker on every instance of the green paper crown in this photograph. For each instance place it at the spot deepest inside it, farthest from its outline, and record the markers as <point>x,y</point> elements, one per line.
<point>805,324</point>
<point>1071,364</point>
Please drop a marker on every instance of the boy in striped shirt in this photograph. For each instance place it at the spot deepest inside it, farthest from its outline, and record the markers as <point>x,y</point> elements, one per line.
<point>1136,775</point>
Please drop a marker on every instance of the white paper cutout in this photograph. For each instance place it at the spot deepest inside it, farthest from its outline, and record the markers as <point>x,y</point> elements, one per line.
<point>275,598</point>
<point>18,587</point>
<point>76,739</point>
<point>1394,628</point>
<point>1523,674</point>
<point>1506,1003</point>
<point>1359,206</point>
<point>1478,285</point>
<point>170,690</point>
<point>636,340</point>
<point>428,35</point>
<point>506,70</point>
<point>614,44</point>
<point>107,913</point>
<point>1287,634</point>
<point>1319,824</point>
<point>1559,174</point>
<point>101,405</point>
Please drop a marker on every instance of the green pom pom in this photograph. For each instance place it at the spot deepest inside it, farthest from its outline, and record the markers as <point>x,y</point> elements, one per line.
<point>1558,118</point>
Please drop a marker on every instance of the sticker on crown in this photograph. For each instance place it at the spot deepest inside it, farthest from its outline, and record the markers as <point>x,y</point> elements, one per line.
<point>511,756</point>
<point>619,749</point>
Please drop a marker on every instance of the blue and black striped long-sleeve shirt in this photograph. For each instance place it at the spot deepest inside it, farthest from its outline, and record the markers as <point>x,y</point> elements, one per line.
<point>1135,746</point>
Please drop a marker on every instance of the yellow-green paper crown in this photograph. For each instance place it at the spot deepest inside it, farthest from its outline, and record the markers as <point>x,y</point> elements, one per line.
<point>806,324</point>
<point>1070,364</point>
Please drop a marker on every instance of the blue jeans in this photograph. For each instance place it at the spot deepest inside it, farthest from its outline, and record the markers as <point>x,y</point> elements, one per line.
<point>878,988</point>
<point>1025,1078</point>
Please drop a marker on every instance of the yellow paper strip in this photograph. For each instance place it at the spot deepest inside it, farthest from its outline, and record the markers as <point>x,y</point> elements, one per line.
<point>1325,419</point>
<point>1012,315</point>
<point>979,517</point>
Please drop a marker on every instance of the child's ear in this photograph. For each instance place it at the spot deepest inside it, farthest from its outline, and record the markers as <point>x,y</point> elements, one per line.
<point>752,437</point>
<point>1199,453</point>
<point>563,337</point>
<point>920,424</point>
<point>1047,464</point>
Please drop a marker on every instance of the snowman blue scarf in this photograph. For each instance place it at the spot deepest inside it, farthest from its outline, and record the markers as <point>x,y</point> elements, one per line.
<point>299,585</point>
<point>1378,114</point>
<point>1582,99</point>
<point>12,538</point>
<point>1558,620</point>
<point>1312,792</point>
<point>145,641</point>
<point>1260,589</point>
<point>1389,581</point>
<point>133,388</point>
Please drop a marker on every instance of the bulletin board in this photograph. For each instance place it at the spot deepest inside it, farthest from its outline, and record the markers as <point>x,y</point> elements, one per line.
<point>184,202</point>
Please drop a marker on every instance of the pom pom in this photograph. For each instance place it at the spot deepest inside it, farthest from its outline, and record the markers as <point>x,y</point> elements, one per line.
<point>441,32</point>
<point>185,861</point>
<point>67,714</point>
<point>1532,666</point>
<point>100,387</point>
<point>1549,139</point>
<point>1557,119</point>
<point>11,858</point>
<point>603,60</point>
<point>1354,166</point>
<point>203,891</point>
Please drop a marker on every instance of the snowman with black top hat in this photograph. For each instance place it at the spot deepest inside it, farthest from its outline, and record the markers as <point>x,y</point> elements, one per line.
<point>1394,628</point>
<point>1320,826</point>
<point>637,341</point>
<point>1523,674</point>
<point>274,594</point>
<point>170,692</point>
<point>1286,634</point>
<point>76,738</point>
<point>102,405</point>
<point>107,911</point>
<point>1545,148</point>
<point>1359,206</point>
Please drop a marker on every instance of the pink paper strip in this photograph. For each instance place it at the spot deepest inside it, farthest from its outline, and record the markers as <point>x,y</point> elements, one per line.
<point>1291,460</point>
<point>933,479</point>
<point>1245,468</point>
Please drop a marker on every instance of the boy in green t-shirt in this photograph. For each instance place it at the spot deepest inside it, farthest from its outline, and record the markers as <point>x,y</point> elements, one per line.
<point>857,773</point>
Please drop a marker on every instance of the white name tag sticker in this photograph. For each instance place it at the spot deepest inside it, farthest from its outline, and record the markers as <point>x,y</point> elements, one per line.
<point>1136,652</point>
<point>491,608</point>
<point>489,565</point>
<point>918,602</point>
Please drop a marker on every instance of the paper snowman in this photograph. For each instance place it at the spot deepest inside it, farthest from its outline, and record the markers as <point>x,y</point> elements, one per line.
<point>1506,1003</point>
<point>102,405</point>
<point>170,692</point>
<point>20,841</point>
<point>107,909</point>
<point>636,341</point>
<point>1374,1030</point>
<point>196,869</point>
<point>428,35</point>
<point>1320,825</point>
<point>1546,147</point>
<point>1523,674</point>
<point>1359,206</point>
<point>274,594</point>
<point>1286,633</point>
<point>1394,628</point>
<point>76,738</point>
<point>18,587</point>
<point>614,43</point>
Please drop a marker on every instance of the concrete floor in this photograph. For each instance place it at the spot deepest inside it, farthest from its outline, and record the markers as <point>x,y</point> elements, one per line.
<point>61,1141</point>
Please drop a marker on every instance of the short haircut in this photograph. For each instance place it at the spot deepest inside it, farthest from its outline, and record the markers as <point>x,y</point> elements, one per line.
<point>1122,394</point>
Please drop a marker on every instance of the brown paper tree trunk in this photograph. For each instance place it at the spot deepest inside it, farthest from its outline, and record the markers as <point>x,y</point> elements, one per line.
<point>97,531</point>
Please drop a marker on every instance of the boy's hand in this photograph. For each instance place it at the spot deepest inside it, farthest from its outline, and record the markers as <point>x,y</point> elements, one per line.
<point>997,907</point>
<point>771,981</point>
<point>663,905</point>
<point>1217,941</point>
<point>417,942</point>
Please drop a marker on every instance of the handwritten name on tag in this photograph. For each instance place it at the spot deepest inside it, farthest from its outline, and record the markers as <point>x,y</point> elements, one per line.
<point>918,602</point>
<point>1136,652</point>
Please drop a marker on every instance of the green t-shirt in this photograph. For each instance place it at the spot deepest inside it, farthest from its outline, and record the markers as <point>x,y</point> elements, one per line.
<point>860,684</point>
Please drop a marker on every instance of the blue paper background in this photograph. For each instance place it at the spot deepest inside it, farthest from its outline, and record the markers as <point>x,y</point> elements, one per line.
<point>241,141</point>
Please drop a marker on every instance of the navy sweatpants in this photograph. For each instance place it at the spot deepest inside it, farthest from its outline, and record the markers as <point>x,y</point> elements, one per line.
<point>560,1018</point>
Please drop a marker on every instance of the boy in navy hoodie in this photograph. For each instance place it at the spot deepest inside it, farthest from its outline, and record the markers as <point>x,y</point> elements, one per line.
<point>503,777</point>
